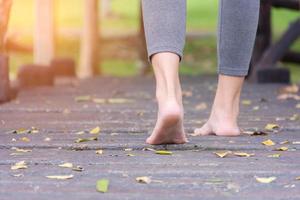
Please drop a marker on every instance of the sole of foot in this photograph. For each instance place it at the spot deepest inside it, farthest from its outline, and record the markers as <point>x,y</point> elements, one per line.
<point>169,126</point>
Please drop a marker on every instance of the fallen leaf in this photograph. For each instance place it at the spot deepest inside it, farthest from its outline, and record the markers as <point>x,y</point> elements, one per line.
<point>95,130</point>
<point>296,142</point>
<point>201,106</point>
<point>78,169</point>
<point>268,143</point>
<point>223,154</point>
<point>118,101</point>
<point>66,165</point>
<point>99,151</point>
<point>285,142</point>
<point>298,105</point>
<point>298,178</point>
<point>21,150</point>
<point>47,139</point>
<point>295,117</point>
<point>246,102</point>
<point>243,154</point>
<point>99,101</point>
<point>102,185</point>
<point>288,96</point>
<point>265,179</point>
<point>274,156</point>
<point>83,98</point>
<point>79,140</point>
<point>19,165</point>
<point>130,155</point>
<point>60,177</point>
<point>128,149</point>
<point>255,108</point>
<point>281,149</point>
<point>289,89</point>
<point>80,133</point>
<point>143,179</point>
<point>255,133</point>
<point>161,152</point>
<point>25,139</point>
<point>271,127</point>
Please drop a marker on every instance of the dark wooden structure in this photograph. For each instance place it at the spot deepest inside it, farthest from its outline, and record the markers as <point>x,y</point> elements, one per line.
<point>192,172</point>
<point>267,55</point>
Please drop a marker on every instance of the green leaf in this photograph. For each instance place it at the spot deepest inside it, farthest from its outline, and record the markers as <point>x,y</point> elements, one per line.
<point>160,152</point>
<point>79,140</point>
<point>102,185</point>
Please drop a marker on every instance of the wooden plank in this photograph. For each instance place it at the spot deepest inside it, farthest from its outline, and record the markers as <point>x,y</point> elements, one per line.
<point>44,37</point>
<point>89,55</point>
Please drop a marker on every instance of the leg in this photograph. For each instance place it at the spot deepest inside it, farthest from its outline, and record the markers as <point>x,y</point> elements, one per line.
<point>238,20</point>
<point>164,22</point>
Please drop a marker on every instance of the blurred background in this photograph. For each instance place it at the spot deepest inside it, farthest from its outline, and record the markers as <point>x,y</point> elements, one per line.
<point>119,24</point>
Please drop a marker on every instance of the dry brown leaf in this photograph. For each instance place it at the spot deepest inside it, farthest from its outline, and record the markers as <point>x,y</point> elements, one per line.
<point>99,151</point>
<point>282,149</point>
<point>66,165</point>
<point>271,127</point>
<point>21,150</point>
<point>19,165</point>
<point>201,106</point>
<point>265,179</point>
<point>60,177</point>
<point>143,179</point>
<point>243,154</point>
<point>289,89</point>
<point>223,154</point>
<point>268,143</point>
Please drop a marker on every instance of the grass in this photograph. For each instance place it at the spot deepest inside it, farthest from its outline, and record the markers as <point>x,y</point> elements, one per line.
<point>200,54</point>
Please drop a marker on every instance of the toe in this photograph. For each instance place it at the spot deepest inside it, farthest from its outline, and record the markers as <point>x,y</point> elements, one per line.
<point>204,130</point>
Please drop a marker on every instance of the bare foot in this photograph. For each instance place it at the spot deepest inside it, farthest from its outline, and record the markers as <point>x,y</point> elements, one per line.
<point>225,111</point>
<point>169,126</point>
<point>219,128</point>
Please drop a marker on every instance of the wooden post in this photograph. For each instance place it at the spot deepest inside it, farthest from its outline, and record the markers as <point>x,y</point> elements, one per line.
<point>44,42</point>
<point>89,58</point>
<point>5,6</point>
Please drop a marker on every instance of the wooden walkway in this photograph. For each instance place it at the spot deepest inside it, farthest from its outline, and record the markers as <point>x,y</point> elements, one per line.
<point>193,171</point>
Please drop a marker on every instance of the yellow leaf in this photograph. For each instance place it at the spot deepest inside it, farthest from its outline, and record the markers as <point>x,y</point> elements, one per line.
<point>100,151</point>
<point>82,98</point>
<point>21,150</point>
<point>265,179</point>
<point>130,155</point>
<point>282,149</point>
<point>143,179</point>
<point>21,131</point>
<point>60,177</point>
<point>271,127</point>
<point>274,156</point>
<point>79,140</point>
<point>95,130</point>
<point>25,139</point>
<point>99,101</point>
<point>161,152</point>
<point>243,154</point>
<point>80,133</point>
<point>223,154</point>
<point>118,100</point>
<point>246,102</point>
<point>285,142</point>
<point>66,165</point>
<point>19,165</point>
<point>268,143</point>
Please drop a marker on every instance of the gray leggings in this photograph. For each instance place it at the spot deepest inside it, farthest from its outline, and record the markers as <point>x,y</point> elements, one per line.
<point>165,28</point>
